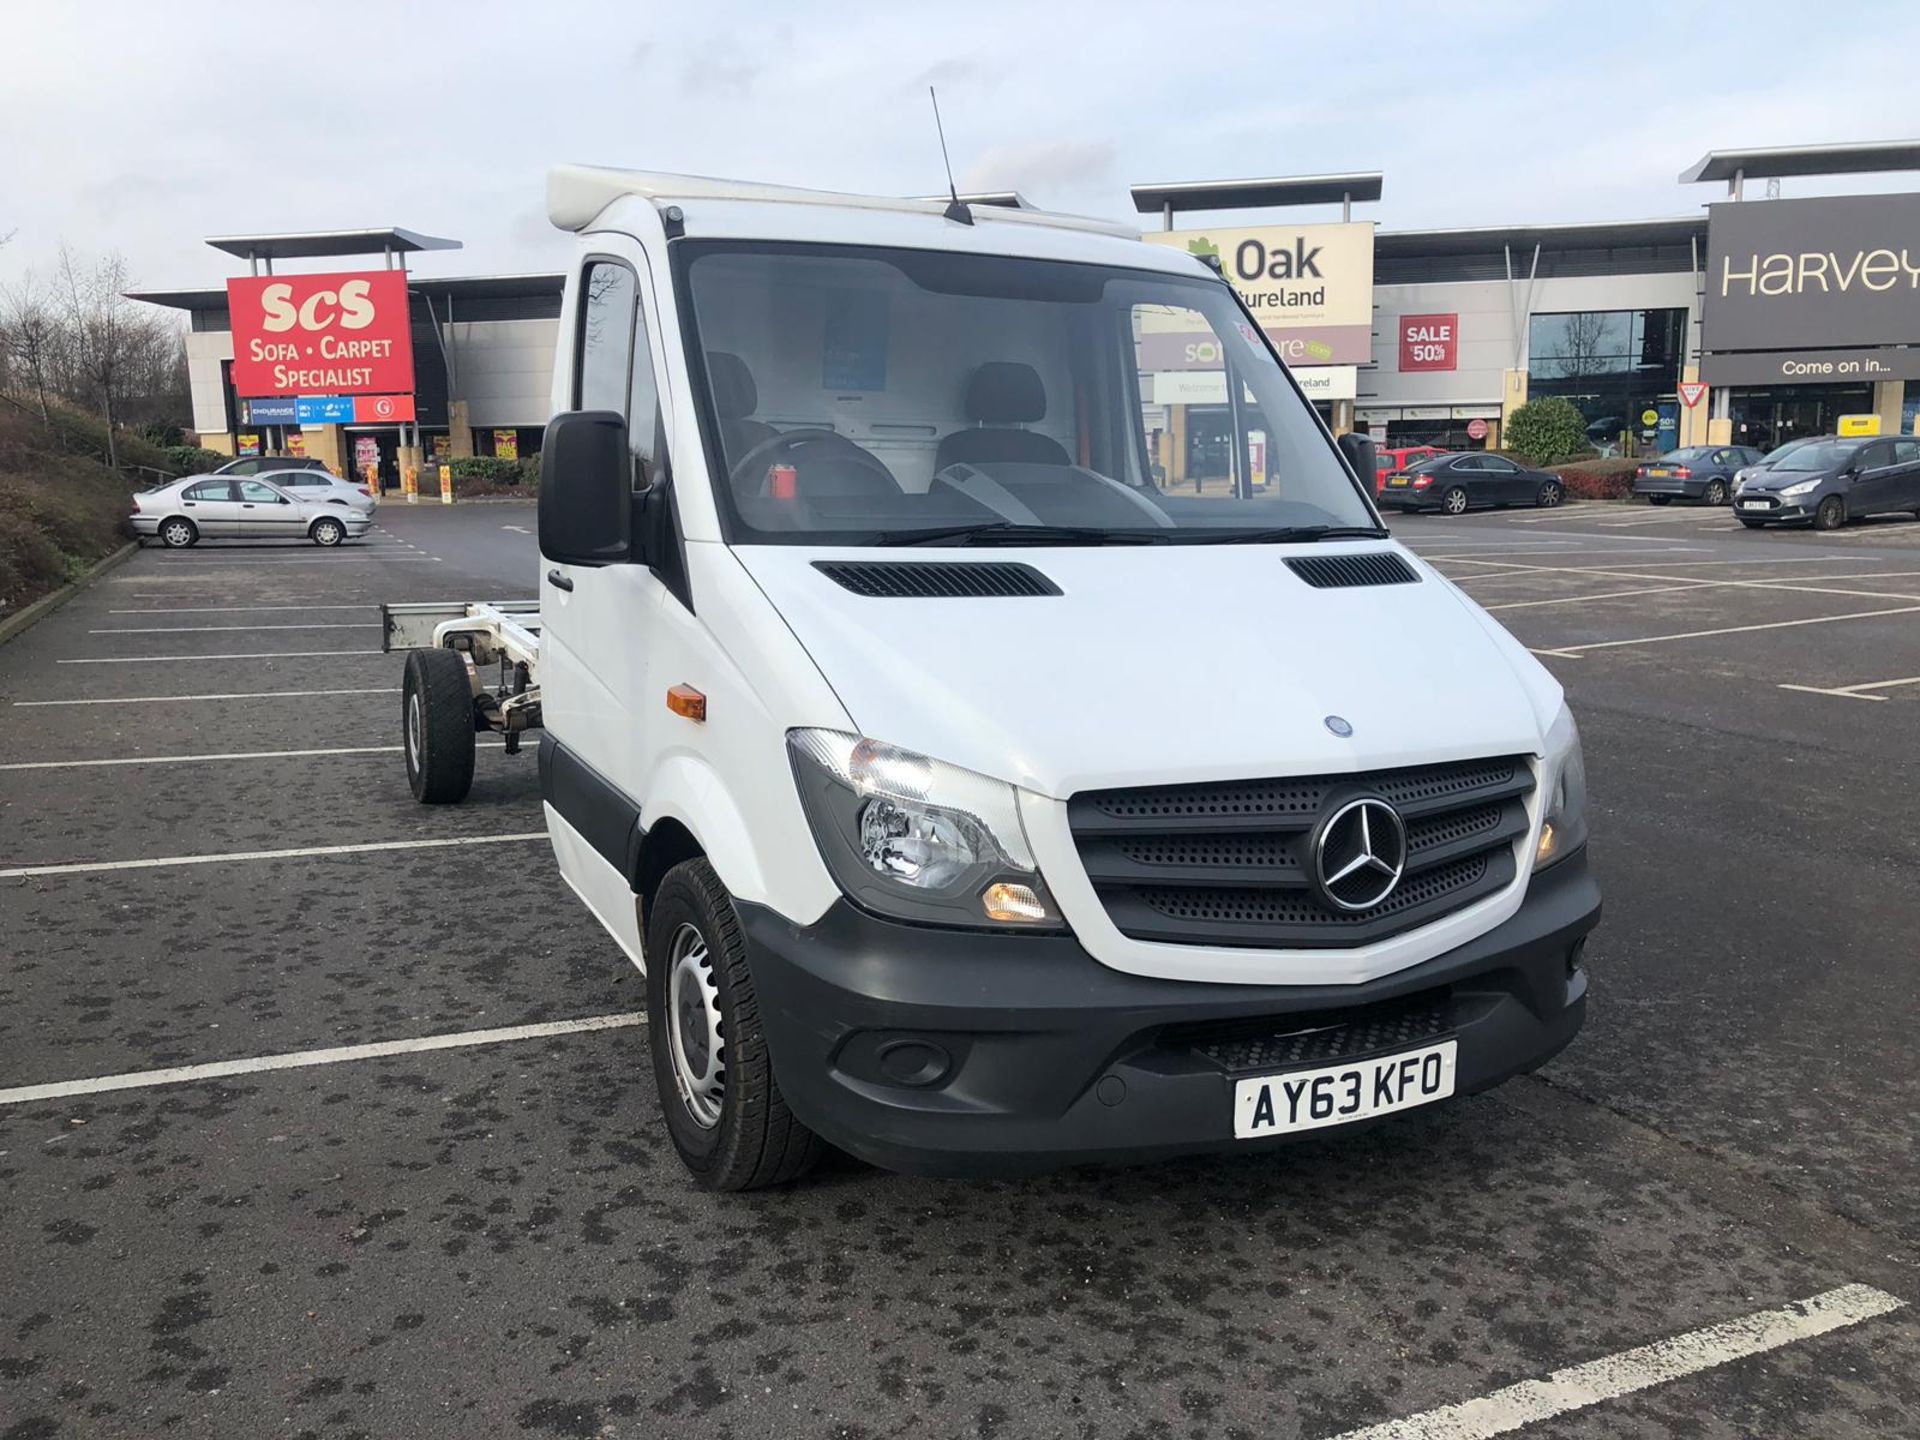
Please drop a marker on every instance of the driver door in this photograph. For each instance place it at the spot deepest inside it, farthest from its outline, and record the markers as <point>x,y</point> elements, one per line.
<point>1876,480</point>
<point>603,709</point>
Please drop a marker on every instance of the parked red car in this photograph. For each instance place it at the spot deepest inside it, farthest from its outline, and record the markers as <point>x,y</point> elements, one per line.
<point>1391,462</point>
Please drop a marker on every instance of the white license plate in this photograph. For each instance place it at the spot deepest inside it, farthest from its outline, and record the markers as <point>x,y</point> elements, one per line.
<point>1342,1094</point>
<point>1754,505</point>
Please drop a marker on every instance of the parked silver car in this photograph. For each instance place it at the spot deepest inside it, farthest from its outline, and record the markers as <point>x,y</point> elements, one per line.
<point>322,485</point>
<point>218,508</point>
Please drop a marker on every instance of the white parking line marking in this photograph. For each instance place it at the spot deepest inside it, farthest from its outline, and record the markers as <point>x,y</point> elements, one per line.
<point>1580,1386</point>
<point>230,755</point>
<point>228,695</point>
<point>1856,692</point>
<point>216,629</point>
<point>94,867</point>
<point>303,1059</point>
<point>246,655</point>
<point>227,609</point>
<point>1571,651</point>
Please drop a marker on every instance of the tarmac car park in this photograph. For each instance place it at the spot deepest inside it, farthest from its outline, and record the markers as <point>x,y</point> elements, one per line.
<point>326,1111</point>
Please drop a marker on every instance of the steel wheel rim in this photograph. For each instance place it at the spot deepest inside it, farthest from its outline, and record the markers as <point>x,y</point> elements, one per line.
<point>175,533</point>
<point>327,532</point>
<point>696,1047</point>
<point>415,725</point>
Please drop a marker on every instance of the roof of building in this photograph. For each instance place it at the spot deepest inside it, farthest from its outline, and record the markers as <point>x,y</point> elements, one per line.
<point>311,243</point>
<point>1182,195</point>
<point>1864,157</point>
<point>461,287</point>
<point>1581,235</point>
<point>576,194</point>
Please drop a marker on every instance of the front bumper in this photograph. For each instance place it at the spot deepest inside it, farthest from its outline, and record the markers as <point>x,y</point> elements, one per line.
<point>967,1053</point>
<point>1778,509</point>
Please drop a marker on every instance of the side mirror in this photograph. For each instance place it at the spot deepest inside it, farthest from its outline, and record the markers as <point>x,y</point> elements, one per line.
<point>1361,457</point>
<point>586,489</point>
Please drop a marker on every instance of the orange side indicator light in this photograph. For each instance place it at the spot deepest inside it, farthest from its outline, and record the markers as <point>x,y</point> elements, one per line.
<point>686,701</point>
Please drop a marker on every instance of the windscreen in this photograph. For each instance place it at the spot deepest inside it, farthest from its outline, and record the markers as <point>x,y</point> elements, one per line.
<point>887,396</point>
<point>1817,456</point>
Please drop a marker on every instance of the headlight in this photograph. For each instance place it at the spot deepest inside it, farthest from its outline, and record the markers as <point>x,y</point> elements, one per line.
<point>1805,487</point>
<point>918,839</point>
<point>1564,829</point>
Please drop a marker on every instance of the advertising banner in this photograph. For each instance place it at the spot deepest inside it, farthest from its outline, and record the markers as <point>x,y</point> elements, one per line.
<point>271,412</point>
<point>1841,272</point>
<point>382,409</point>
<point>324,409</point>
<point>1429,342</point>
<point>506,444</point>
<point>321,334</point>
<point>1812,367</point>
<point>1309,286</point>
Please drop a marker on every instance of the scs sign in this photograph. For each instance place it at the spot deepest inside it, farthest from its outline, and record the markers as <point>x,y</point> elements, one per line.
<point>1429,342</point>
<point>321,334</point>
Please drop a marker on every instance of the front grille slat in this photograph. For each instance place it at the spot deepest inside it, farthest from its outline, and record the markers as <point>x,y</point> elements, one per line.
<point>1290,1042</point>
<point>937,579</point>
<point>1228,863</point>
<point>1339,572</point>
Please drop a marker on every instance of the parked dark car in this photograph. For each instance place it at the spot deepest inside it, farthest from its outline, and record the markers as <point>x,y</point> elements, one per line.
<point>1829,481</point>
<point>1698,472</point>
<point>1391,458</point>
<point>1458,483</point>
<point>254,464</point>
<point>1768,460</point>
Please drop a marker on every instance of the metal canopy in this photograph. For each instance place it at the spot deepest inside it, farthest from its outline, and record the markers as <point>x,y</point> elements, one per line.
<point>1862,158</point>
<point>314,243</point>
<point>1594,235</point>
<point>465,287</point>
<point>1282,190</point>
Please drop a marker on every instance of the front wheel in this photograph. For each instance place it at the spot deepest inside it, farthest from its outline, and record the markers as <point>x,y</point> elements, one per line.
<point>1831,515</point>
<point>1454,502</point>
<point>1658,499</point>
<point>1716,492</point>
<point>327,531</point>
<point>722,1105</point>
<point>436,711</point>
<point>1550,495</point>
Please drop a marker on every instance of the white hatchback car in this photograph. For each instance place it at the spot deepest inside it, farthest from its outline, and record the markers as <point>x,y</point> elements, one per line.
<point>213,507</point>
<point>311,484</point>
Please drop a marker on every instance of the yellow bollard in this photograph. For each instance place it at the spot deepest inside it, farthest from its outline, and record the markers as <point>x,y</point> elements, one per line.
<point>446,484</point>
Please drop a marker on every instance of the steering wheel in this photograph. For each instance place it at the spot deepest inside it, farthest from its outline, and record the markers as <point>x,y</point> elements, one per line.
<point>787,441</point>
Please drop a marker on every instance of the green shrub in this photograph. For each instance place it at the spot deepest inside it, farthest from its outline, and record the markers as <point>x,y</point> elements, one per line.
<point>1547,431</point>
<point>485,467</point>
<point>192,460</point>
<point>81,433</point>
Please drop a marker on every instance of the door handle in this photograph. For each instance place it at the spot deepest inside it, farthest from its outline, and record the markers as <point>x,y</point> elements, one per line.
<point>559,581</point>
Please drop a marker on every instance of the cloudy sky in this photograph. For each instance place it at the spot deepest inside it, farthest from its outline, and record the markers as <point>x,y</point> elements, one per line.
<point>146,126</point>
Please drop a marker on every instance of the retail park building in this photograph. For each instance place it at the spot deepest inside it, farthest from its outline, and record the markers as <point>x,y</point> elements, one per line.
<point>1752,320</point>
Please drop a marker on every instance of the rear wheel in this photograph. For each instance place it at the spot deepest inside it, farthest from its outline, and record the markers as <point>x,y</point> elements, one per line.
<point>1658,499</point>
<point>1716,492</point>
<point>436,711</point>
<point>178,532</point>
<point>1831,515</point>
<point>1550,495</point>
<point>1454,502</point>
<point>327,531</point>
<point>723,1108</point>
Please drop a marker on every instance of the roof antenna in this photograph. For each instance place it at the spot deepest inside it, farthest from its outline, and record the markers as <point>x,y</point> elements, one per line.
<point>955,210</point>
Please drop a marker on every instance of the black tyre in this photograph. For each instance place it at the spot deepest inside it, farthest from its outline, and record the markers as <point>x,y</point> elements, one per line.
<point>722,1105</point>
<point>1831,515</point>
<point>327,531</point>
<point>1551,494</point>
<point>1716,493</point>
<point>436,716</point>
<point>1753,524</point>
<point>177,532</point>
<point>1454,502</point>
<point>1658,499</point>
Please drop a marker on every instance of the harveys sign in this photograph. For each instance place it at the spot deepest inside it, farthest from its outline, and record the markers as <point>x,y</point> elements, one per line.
<point>321,334</point>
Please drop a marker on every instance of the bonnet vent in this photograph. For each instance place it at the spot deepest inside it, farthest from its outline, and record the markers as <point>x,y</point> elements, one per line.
<point>935,580</point>
<point>1338,572</point>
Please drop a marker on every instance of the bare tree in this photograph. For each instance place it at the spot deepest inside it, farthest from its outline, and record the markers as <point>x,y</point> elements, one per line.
<point>29,334</point>
<point>1581,344</point>
<point>100,323</point>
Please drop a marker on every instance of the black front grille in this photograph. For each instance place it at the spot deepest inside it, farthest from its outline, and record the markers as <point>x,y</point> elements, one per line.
<point>1333,572</point>
<point>1229,863</point>
<point>936,579</point>
<point>1286,1042</point>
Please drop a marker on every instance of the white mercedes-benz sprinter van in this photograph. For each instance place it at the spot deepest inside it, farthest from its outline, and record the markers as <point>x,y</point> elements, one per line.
<point>980,783</point>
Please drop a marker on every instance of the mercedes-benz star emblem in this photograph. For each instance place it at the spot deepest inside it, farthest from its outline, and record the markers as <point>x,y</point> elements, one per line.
<point>1359,852</point>
<point>1339,726</point>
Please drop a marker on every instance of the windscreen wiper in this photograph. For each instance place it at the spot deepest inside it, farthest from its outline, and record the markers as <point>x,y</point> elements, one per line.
<point>1006,532</point>
<point>1287,535</point>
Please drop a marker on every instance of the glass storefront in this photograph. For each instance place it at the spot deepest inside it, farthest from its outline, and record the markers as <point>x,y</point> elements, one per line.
<point>1617,366</point>
<point>1766,416</point>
